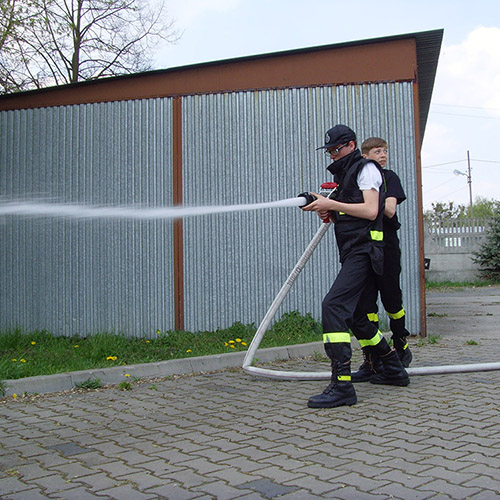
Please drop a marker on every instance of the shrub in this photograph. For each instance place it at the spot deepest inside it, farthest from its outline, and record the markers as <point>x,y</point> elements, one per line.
<point>488,256</point>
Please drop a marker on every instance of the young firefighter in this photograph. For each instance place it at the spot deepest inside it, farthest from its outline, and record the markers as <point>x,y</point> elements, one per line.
<point>357,212</point>
<point>375,148</point>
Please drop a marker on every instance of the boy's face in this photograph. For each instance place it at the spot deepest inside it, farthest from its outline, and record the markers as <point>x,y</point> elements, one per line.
<point>378,154</point>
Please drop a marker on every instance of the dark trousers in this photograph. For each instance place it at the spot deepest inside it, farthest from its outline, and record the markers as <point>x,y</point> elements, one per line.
<point>345,307</point>
<point>389,286</point>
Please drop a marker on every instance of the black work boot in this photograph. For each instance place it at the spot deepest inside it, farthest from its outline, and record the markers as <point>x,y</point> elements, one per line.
<point>338,393</point>
<point>393,374</point>
<point>370,366</point>
<point>404,353</point>
<point>405,356</point>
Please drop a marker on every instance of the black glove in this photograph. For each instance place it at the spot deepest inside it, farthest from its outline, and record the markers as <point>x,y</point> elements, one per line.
<point>309,198</point>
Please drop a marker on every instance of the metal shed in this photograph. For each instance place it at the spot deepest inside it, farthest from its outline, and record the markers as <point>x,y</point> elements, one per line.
<point>229,132</point>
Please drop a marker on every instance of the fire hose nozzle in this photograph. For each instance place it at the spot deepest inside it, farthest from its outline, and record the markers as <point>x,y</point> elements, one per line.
<point>308,197</point>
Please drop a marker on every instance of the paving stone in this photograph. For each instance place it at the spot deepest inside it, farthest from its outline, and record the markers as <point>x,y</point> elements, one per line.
<point>219,490</point>
<point>173,491</point>
<point>267,488</point>
<point>32,494</point>
<point>455,490</point>
<point>127,492</point>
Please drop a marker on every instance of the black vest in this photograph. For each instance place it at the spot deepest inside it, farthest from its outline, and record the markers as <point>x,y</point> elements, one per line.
<point>355,234</point>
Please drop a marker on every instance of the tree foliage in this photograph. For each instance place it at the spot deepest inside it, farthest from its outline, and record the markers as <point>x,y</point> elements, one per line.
<point>488,256</point>
<point>481,209</point>
<point>52,42</point>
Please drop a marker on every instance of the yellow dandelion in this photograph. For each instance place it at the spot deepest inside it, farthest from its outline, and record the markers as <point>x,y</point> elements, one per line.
<point>189,350</point>
<point>158,332</point>
<point>14,359</point>
<point>76,346</point>
<point>33,343</point>
<point>225,344</point>
<point>232,346</point>
<point>111,358</point>
<point>231,341</point>
<point>127,374</point>
<point>148,341</point>
<point>14,395</point>
<point>243,343</point>
<point>238,340</point>
<point>22,360</point>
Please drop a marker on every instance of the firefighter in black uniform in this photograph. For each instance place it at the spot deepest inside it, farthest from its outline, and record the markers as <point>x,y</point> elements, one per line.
<point>375,148</point>
<point>357,213</point>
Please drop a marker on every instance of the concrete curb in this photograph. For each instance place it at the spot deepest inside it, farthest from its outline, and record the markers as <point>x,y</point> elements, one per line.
<point>109,376</point>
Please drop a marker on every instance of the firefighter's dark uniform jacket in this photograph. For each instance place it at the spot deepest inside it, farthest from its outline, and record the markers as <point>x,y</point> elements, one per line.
<point>354,234</point>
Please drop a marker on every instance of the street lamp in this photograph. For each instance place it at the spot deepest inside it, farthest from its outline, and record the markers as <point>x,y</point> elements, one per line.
<point>469,180</point>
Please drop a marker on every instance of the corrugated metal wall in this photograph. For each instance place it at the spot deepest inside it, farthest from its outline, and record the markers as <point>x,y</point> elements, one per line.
<point>87,276</point>
<point>260,146</point>
<point>243,147</point>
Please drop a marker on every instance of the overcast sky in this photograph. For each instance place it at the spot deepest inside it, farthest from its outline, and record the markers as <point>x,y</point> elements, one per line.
<point>465,109</point>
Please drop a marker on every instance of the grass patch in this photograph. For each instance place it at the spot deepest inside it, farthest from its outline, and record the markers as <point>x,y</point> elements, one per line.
<point>41,353</point>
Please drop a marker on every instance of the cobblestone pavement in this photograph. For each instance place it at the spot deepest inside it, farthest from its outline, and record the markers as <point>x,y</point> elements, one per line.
<point>229,435</point>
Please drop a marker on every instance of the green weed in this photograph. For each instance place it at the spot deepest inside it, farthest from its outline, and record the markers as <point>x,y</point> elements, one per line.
<point>458,285</point>
<point>437,315</point>
<point>471,342</point>
<point>90,383</point>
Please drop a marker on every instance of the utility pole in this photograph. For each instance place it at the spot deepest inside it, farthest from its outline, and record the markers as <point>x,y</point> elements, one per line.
<point>469,180</point>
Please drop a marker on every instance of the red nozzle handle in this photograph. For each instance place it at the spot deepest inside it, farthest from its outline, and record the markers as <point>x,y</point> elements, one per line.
<point>329,185</point>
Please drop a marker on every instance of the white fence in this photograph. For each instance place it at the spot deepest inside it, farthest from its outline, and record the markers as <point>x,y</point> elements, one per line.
<point>449,247</point>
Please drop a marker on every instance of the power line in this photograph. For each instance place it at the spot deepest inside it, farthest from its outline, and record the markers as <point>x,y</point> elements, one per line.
<point>460,161</point>
<point>486,161</point>
<point>447,163</point>
<point>467,107</point>
<point>468,116</point>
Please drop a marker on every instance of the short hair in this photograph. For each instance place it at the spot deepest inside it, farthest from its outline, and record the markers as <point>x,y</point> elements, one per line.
<point>372,142</point>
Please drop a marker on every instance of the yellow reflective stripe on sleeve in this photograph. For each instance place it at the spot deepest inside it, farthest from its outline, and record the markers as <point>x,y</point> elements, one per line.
<point>377,235</point>
<point>397,315</point>
<point>341,213</point>
<point>371,342</point>
<point>372,317</point>
<point>344,378</point>
<point>336,337</point>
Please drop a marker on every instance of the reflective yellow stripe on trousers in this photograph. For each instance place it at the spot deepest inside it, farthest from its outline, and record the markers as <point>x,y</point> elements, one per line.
<point>397,315</point>
<point>371,342</point>
<point>337,337</point>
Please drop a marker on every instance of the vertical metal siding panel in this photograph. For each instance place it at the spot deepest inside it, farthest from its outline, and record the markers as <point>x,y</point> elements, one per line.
<point>236,263</point>
<point>86,276</point>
